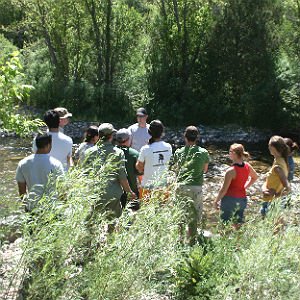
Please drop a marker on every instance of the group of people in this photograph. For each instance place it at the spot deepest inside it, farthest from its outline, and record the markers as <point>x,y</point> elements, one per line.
<point>141,162</point>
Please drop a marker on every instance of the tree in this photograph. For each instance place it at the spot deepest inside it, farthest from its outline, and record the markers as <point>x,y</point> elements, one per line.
<point>12,92</point>
<point>179,34</point>
<point>239,77</point>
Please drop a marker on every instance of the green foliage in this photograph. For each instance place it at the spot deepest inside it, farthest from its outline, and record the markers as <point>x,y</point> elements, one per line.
<point>220,61</point>
<point>253,263</point>
<point>288,64</point>
<point>12,92</point>
<point>9,12</point>
<point>70,254</point>
<point>197,275</point>
<point>6,48</point>
<point>90,47</point>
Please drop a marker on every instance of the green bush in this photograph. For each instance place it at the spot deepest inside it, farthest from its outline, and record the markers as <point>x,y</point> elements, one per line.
<point>70,255</point>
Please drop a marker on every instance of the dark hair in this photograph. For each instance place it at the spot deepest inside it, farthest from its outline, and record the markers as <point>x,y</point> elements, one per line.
<point>291,144</point>
<point>91,132</point>
<point>156,130</point>
<point>191,133</point>
<point>281,147</point>
<point>42,140</point>
<point>51,118</point>
<point>239,150</point>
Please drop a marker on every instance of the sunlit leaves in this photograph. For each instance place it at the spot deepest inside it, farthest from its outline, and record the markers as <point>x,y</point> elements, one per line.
<point>12,92</point>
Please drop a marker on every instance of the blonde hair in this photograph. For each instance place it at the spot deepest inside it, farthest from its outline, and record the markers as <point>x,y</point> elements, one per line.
<point>239,150</point>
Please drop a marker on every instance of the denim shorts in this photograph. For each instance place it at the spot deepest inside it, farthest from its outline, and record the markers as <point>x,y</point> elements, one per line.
<point>233,209</point>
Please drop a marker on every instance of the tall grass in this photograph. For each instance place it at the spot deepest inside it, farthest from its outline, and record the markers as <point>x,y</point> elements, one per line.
<point>260,261</point>
<point>69,254</point>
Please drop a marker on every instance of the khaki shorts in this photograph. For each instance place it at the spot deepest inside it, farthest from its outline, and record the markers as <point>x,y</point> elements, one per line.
<point>193,192</point>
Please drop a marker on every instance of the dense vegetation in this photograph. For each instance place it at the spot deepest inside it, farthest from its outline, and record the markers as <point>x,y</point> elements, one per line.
<point>69,255</point>
<point>208,61</point>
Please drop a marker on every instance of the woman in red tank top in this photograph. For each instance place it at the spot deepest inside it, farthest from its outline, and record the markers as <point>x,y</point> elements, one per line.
<point>232,199</point>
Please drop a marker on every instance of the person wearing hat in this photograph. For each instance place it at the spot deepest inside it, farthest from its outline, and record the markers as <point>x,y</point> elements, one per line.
<point>131,155</point>
<point>139,131</point>
<point>153,159</point>
<point>104,153</point>
<point>64,116</point>
<point>189,164</point>
<point>61,143</point>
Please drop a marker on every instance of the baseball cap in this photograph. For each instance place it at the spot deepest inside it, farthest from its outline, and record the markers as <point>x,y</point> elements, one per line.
<point>141,112</point>
<point>123,135</point>
<point>63,112</point>
<point>106,129</point>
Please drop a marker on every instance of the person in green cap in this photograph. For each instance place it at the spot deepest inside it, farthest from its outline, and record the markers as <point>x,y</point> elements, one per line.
<point>100,155</point>
<point>190,163</point>
<point>123,138</point>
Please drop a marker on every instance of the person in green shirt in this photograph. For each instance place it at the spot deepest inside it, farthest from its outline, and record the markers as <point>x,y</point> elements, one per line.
<point>123,138</point>
<point>105,153</point>
<point>189,164</point>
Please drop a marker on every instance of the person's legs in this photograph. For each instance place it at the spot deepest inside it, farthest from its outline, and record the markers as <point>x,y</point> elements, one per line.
<point>264,208</point>
<point>226,209</point>
<point>192,194</point>
<point>241,204</point>
<point>123,200</point>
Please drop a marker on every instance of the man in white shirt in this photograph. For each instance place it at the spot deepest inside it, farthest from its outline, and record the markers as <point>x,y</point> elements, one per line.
<point>61,143</point>
<point>139,130</point>
<point>34,170</point>
<point>153,159</point>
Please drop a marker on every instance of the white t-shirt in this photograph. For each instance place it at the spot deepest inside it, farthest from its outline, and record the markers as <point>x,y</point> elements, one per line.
<point>156,158</point>
<point>36,168</point>
<point>139,136</point>
<point>61,147</point>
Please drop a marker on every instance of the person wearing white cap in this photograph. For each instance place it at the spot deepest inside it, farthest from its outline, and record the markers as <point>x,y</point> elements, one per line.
<point>64,116</point>
<point>105,152</point>
<point>61,143</point>
<point>139,131</point>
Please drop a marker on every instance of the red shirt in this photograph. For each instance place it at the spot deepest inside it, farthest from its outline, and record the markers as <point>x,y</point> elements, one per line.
<point>237,185</point>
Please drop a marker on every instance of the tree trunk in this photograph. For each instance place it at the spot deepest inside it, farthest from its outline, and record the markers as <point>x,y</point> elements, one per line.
<point>176,14</point>
<point>91,7</point>
<point>108,75</point>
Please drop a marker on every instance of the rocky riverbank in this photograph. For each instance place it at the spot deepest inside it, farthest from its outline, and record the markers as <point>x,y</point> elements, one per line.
<point>209,134</point>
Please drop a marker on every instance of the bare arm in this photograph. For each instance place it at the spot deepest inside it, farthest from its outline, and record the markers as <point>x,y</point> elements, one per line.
<point>140,166</point>
<point>205,168</point>
<point>125,185</point>
<point>283,179</point>
<point>70,161</point>
<point>253,177</point>
<point>22,188</point>
<point>230,173</point>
